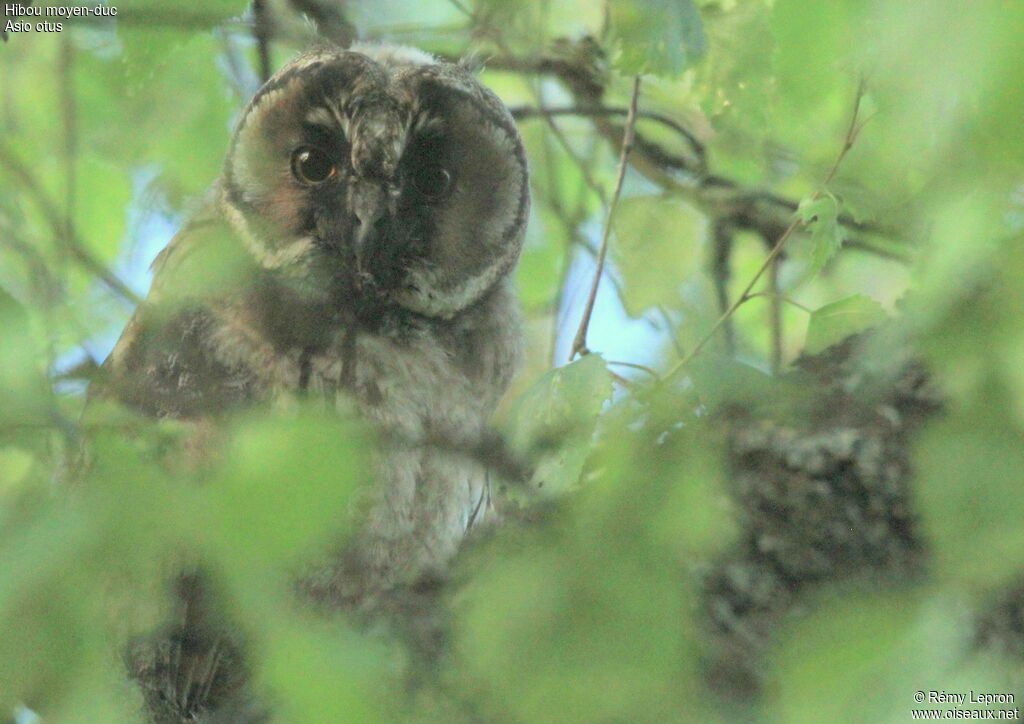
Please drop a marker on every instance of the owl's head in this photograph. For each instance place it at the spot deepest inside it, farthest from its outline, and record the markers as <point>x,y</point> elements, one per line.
<point>401,176</point>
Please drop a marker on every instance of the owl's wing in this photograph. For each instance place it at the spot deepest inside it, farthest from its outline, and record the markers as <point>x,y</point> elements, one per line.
<point>166,362</point>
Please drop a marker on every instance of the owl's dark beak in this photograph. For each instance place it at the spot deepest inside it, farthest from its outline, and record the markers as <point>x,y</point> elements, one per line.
<point>371,204</point>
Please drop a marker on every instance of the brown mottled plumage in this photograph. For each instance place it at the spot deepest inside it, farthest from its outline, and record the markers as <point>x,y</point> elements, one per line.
<point>359,244</point>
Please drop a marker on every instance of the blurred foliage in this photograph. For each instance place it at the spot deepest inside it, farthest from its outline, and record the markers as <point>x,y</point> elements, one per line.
<point>832,323</point>
<point>663,37</point>
<point>591,612</point>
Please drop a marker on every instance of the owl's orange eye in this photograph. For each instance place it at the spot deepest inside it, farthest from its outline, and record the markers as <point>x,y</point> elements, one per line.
<point>433,182</point>
<point>312,166</point>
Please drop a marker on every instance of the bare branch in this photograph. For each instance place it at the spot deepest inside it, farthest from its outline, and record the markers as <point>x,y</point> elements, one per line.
<point>579,345</point>
<point>850,137</point>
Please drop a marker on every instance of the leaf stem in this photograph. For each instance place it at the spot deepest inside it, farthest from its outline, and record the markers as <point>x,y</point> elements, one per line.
<point>781,298</point>
<point>635,366</point>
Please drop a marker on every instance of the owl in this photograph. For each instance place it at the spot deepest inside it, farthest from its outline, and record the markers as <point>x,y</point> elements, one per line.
<point>357,250</point>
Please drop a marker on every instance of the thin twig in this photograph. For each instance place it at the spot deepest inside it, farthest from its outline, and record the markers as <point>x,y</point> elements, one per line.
<point>740,300</point>
<point>588,177</point>
<point>571,222</point>
<point>554,200</point>
<point>850,137</point>
<point>624,381</point>
<point>579,344</point>
<point>580,209</point>
<point>775,316</point>
<point>848,140</point>
<point>670,329</point>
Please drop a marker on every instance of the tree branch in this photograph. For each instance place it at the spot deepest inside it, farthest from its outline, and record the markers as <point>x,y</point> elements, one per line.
<point>261,33</point>
<point>524,112</point>
<point>749,209</point>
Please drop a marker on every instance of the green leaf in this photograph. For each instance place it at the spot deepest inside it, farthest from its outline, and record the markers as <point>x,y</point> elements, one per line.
<point>285,488</point>
<point>723,382</point>
<point>663,37</point>
<point>23,397</point>
<point>868,651</point>
<point>183,134</point>
<point>814,47</point>
<point>100,215</point>
<point>554,420</point>
<point>835,322</point>
<point>540,265</point>
<point>596,633</point>
<point>15,466</point>
<point>821,216</point>
<point>969,471</point>
<point>304,661</point>
<point>656,247</point>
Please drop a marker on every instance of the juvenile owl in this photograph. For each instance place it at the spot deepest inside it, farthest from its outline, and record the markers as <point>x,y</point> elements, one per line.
<point>358,246</point>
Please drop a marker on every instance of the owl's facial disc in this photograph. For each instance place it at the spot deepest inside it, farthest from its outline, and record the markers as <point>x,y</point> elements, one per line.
<point>383,174</point>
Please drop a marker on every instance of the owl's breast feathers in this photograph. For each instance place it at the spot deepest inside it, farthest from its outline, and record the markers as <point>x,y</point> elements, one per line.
<point>218,332</point>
